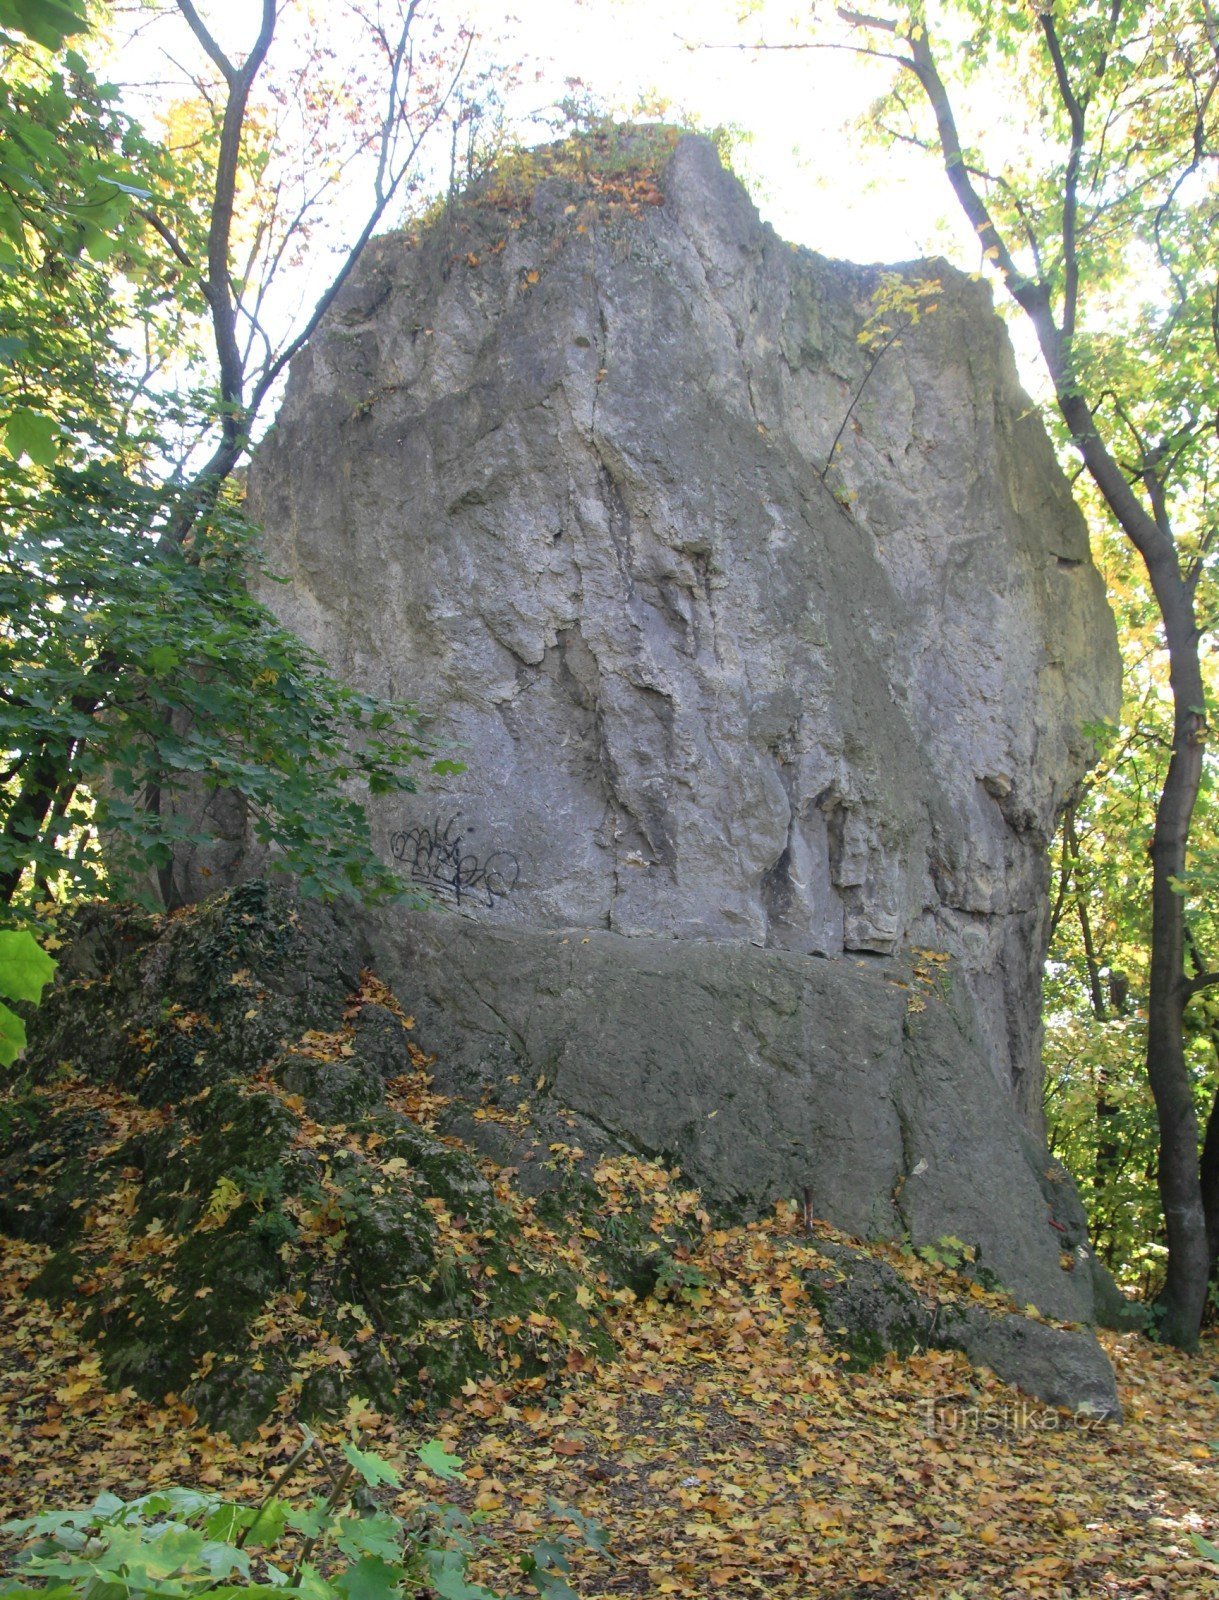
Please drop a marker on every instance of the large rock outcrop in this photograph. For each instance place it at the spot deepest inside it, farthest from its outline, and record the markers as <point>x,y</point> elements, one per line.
<point>769,643</point>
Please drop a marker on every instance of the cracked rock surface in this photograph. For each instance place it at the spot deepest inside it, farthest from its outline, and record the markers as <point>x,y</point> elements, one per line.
<point>573,502</point>
<point>769,658</point>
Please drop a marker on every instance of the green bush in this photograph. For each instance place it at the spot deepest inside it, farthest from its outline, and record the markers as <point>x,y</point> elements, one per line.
<point>177,1543</point>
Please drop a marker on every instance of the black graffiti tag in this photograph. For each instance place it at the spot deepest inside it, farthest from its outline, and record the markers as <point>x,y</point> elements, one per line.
<point>435,856</point>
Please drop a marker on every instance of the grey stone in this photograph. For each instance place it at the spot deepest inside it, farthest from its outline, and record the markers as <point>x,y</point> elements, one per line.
<point>1063,1366</point>
<point>771,665</point>
<point>867,1309</point>
<point>762,1073</point>
<point>333,1091</point>
<point>706,685</point>
<point>381,1041</point>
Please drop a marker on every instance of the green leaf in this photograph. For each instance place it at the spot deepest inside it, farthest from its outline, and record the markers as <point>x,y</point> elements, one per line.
<point>12,1036</point>
<point>221,1559</point>
<point>547,1554</point>
<point>47,22</point>
<point>99,245</point>
<point>162,659</point>
<point>228,1591</point>
<point>553,1587</point>
<point>268,1524</point>
<point>31,434</point>
<point>310,1584</point>
<point>437,1459</point>
<point>25,967</point>
<point>370,1579</point>
<point>1207,1550</point>
<point>379,1535</point>
<point>447,1575</point>
<point>371,1467</point>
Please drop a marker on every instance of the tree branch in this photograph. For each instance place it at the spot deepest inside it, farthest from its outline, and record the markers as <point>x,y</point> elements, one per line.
<point>227,70</point>
<point>1070,198</point>
<point>171,239</point>
<point>219,291</point>
<point>385,195</point>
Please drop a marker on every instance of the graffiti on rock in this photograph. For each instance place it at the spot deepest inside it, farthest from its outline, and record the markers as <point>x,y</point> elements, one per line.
<point>438,857</point>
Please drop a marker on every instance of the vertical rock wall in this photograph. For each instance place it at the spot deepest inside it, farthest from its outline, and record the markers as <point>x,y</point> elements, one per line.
<point>743,634</point>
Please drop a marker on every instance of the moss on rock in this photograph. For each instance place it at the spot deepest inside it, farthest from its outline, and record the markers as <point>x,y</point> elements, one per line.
<point>236,1196</point>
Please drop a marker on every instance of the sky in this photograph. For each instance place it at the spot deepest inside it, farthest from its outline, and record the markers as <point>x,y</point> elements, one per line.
<point>804,158</point>
<point>802,154</point>
<point>801,150</point>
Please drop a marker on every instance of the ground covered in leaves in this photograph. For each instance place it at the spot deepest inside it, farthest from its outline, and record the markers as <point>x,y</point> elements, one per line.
<point>728,1448</point>
<point>727,1451</point>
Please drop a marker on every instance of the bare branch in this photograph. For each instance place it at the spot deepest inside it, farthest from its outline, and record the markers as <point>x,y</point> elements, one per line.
<point>227,69</point>
<point>219,291</point>
<point>384,197</point>
<point>1070,195</point>
<point>860,19</point>
<point>171,239</point>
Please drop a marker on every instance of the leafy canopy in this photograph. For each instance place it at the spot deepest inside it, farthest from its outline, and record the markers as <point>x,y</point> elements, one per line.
<point>142,689</point>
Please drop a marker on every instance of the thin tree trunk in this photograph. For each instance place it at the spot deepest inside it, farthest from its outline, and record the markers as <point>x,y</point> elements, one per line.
<point>35,802</point>
<point>1106,1158</point>
<point>1209,1174</point>
<point>1184,1297</point>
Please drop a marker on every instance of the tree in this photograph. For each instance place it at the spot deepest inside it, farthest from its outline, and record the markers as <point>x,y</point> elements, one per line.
<point>1099,1112</point>
<point>139,323</point>
<point>1095,202</point>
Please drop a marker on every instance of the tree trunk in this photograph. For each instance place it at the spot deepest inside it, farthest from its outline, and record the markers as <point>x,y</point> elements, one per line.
<point>1209,1174</point>
<point>1184,1297</point>
<point>1150,532</point>
<point>41,787</point>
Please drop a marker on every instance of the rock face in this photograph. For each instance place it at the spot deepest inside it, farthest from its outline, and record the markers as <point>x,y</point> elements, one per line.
<point>867,1309</point>
<point>858,1085</point>
<point>573,501</point>
<point>765,625</point>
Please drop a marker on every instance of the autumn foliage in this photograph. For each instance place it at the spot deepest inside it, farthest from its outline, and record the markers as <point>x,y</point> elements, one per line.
<point>664,1376</point>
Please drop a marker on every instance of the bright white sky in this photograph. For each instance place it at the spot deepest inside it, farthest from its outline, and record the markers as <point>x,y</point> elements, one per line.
<point>808,172</point>
<point>809,169</point>
<point>804,161</point>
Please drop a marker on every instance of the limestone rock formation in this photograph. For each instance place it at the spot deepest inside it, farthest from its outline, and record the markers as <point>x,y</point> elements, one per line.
<point>769,641</point>
<point>574,501</point>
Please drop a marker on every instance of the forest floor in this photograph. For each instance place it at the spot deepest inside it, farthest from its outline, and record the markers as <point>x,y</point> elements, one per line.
<point>727,1452</point>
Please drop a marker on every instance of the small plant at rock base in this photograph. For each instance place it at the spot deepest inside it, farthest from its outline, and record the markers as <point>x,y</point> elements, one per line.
<point>680,1280</point>
<point>342,1545</point>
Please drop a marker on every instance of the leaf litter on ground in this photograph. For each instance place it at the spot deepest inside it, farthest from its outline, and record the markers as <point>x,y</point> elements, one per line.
<point>728,1450</point>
